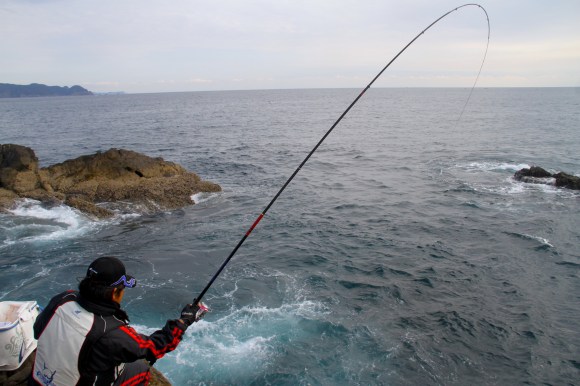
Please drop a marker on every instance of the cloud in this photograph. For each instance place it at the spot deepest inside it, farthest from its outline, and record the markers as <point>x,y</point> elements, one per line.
<point>277,44</point>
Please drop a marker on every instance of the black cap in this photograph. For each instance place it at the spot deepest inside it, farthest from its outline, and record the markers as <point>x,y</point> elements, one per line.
<point>111,272</point>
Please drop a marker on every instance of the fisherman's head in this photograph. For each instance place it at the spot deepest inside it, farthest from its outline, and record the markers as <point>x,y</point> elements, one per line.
<point>106,280</point>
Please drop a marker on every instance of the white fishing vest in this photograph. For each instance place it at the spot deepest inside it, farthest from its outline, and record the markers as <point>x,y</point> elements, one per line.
<point>59,345</point>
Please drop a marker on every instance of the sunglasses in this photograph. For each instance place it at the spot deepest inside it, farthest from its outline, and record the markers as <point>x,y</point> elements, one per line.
<point>128,283</point>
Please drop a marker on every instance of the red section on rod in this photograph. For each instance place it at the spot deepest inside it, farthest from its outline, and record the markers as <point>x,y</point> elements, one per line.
<point>254,224</point>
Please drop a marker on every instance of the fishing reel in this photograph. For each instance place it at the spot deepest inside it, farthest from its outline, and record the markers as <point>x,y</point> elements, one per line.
<point>192,313</point>
<point>203,309</point>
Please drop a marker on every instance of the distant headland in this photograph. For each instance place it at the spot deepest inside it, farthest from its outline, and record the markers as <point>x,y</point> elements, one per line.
<point>39,90</point>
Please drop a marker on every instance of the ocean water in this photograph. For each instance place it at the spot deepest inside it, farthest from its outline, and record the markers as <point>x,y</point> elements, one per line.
<point>403,253</point>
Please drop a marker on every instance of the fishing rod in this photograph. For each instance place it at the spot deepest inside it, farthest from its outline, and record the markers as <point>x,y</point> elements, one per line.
<point>263,213</point>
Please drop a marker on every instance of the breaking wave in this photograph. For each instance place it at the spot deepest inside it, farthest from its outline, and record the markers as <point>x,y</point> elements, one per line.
<point>30,221</point>
<point>239,344</point>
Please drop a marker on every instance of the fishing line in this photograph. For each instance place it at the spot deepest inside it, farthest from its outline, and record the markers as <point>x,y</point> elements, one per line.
<point>263,213</point>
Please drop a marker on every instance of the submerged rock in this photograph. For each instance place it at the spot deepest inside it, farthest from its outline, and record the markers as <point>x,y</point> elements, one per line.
<point>536,174</point>
<point>90,182</point>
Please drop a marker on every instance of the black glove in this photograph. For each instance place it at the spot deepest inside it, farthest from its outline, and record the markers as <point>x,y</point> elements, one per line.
<point>193,313</point>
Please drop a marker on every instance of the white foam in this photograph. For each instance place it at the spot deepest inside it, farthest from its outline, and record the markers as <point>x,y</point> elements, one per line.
<point>541,240</point>
<point>491,166</point>
<point>242,342</point>
<point>245,337</point>
<point>514,187</point>
<point>239,341</point>
<point>33,208</point>
<point>511,167</point>
<point>201,197</point>
<point>33,222</point>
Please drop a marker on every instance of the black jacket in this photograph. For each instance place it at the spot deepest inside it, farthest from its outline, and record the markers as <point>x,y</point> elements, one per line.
<point>111,341</point>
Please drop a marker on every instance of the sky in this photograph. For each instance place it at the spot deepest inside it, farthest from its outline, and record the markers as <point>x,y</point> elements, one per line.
<point>143,46</point>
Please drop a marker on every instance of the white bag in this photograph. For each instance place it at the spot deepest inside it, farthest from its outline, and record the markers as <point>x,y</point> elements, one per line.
<point>16,333</point>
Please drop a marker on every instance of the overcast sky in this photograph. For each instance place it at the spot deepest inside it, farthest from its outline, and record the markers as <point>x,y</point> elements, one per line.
<point>190,45</point>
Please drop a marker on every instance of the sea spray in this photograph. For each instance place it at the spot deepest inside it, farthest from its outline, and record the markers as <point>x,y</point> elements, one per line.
<point>239,344</point>
<point>30,221</point>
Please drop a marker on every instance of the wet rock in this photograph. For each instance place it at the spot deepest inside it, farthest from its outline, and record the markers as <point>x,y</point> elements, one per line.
<point>158,379</point>
<point>536,175</point>
<point>18,168</point>
<point>565,180</point>
<point>90,182</point>
<point>7,198</point>
<point>87,207</point>
<point>534,171</point>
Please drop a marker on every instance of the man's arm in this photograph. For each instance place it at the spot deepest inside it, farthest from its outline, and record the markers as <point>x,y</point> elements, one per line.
<point>125,345</point>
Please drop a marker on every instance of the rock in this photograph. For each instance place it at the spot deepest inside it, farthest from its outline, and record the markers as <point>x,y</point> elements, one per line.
<point>565,180</point>
<point>538,175</point>
<point>90,183</point>
<point>158,379</point>
<point>88,207</point>
<point>7,198</point>
<point>18,168</point>
<point>534,171</point>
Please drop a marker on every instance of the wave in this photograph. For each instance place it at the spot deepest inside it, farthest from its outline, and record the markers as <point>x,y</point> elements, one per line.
<point>44,272</point>
<point>30,221</point>
<point>493,166</point>
<point>543,241</point>
<point>202,197</point>
<point>568,264</point>
<point>504,186</point>
<point>239,344</point>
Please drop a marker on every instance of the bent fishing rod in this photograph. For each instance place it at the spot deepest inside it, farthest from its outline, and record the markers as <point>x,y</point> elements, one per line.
<point>263,213</point>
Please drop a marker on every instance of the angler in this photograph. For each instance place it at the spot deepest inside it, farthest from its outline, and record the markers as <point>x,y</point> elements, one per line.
<point>84,337</point>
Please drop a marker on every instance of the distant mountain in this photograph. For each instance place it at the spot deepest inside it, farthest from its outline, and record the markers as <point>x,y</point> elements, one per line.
<point>39,90</point>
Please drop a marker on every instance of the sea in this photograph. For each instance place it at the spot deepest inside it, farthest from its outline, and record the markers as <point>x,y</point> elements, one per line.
<point>402,253</point>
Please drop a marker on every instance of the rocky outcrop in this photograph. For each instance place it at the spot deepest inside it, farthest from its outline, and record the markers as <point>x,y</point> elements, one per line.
<point>93,183</point>
<point>565,180</point>
<point>536,174</point>
<point>18,168</point>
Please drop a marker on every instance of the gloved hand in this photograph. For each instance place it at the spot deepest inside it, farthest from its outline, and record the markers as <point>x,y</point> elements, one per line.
<point>193,313</point>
